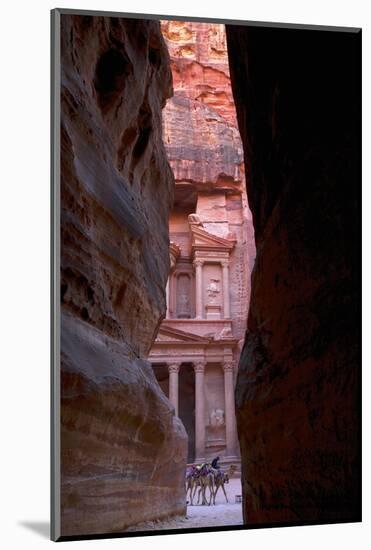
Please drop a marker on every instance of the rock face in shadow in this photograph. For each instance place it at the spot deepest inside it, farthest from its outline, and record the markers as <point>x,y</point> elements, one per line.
<point>123,452</point>
<point>298,390</point>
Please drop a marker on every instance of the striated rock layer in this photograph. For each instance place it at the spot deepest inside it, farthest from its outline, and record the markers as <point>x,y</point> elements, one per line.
<point>298,390</point>
<point>123,452</point>
<point>200,127</point>
<point>199,63</point>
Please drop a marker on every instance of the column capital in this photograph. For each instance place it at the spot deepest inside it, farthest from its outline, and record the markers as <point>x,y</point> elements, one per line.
<point>199,366</point>
<point>173,367</point>
<point>224,263</point>
<point>198,262</point>
<point>228,366</point>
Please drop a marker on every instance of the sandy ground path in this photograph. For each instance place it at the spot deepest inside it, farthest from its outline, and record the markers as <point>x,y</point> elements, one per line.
<point>222,513</point>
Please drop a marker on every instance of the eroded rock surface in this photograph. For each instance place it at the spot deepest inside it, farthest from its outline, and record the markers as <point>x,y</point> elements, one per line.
<point>122,450</point>
<point>298,390</point>
<point>200,128</point>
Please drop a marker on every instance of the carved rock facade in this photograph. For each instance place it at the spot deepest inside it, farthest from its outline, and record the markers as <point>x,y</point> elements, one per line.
<point>198,345</point>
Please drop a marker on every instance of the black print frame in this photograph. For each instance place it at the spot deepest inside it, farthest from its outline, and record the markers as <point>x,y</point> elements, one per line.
<point>206,274</point>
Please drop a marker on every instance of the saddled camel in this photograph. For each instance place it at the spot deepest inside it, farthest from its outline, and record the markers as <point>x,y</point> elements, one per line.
<point>191,483</point>
<point>201,478</point>
<point>205,477</point>
<point>205,481</point>
<point>220,478</point>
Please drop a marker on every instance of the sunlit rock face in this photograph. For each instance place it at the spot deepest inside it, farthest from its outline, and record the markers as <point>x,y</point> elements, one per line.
<point>298,390</point>
<point>205,152</point>
<point>199,63</point>
<point>200,128</point>
<point>123,451</point>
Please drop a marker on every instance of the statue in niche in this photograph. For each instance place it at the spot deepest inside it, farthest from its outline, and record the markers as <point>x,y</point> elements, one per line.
<point>213,289</point>
<point>183,303</point>
<point>216,418</point>
<point>216,429</point>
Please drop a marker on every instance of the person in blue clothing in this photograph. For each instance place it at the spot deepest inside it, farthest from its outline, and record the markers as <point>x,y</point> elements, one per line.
<point>214,463</point>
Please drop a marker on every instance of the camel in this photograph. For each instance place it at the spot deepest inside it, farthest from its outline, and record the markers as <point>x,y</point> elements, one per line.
<point>206,480</point>
<point>220,478</point>
<point>200,477</point>
<point>191,482</point>
<point>205,477</point>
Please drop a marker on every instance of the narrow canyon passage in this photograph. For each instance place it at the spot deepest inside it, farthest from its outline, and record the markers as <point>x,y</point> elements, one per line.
<point>196,351</point>
<point>199,516</point>
<point>170,354</point>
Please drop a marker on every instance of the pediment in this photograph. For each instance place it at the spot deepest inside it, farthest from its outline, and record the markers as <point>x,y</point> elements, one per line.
<point>170,334</point>
<point>203,239</point>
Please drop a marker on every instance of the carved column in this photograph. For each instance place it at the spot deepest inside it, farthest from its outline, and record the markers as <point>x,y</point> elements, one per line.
<point>174,385</point>
<point>199,369</point>
<point>167,298</point>
<point>198,265</point>
<point>230,415</point>
<point>225,269</point>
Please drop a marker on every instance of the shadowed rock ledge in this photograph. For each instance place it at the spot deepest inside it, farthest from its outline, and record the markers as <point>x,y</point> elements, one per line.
<point>123,451</point>
<point>298,396</point>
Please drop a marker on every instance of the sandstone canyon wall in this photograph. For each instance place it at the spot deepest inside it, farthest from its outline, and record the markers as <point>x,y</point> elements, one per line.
<point>298,391</point>
<point>123,451</point>
<point>205,152</point>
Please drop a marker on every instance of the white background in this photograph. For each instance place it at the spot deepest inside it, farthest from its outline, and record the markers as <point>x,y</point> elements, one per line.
<point>24,273</point>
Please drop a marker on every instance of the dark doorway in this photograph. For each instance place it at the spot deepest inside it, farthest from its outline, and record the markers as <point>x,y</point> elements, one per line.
<point>187,405</point>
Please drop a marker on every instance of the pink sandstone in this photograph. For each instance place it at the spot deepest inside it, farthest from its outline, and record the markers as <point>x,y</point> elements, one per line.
<point>122,449</point>
<point>198,345</point>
